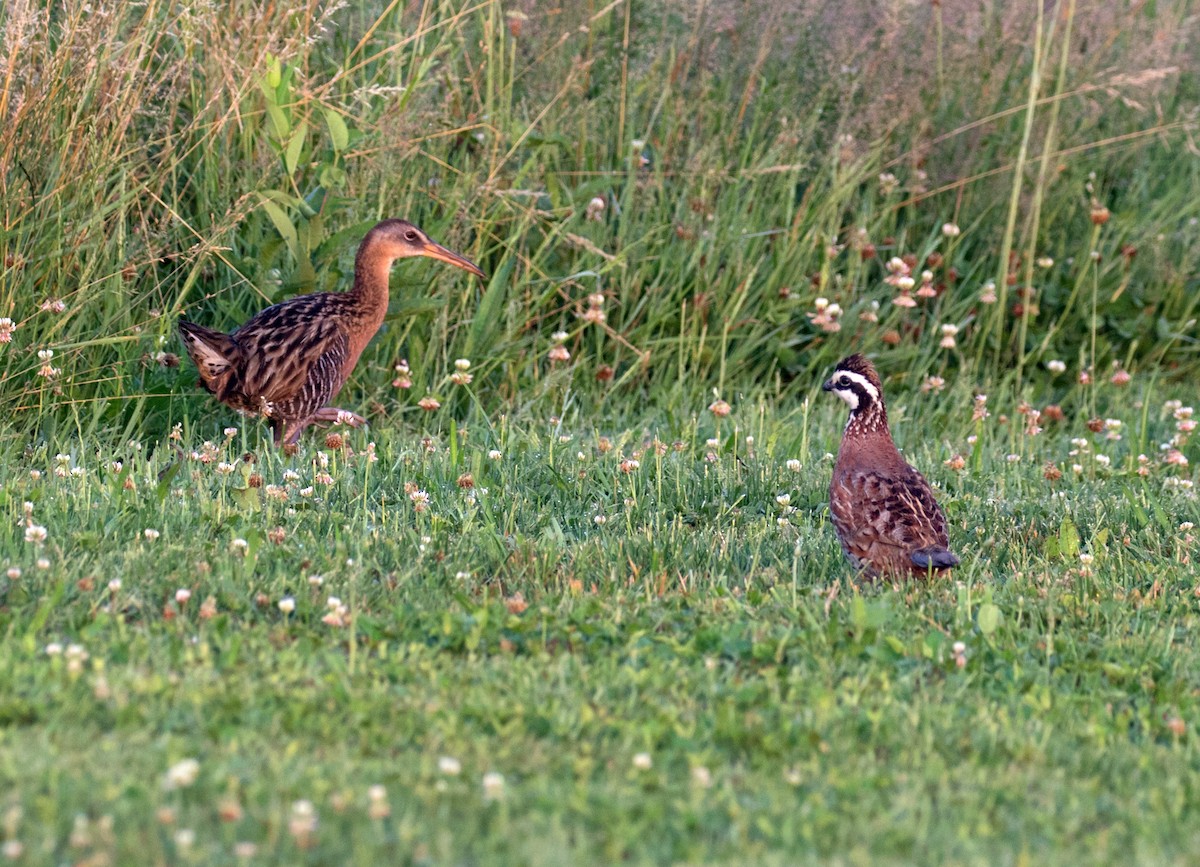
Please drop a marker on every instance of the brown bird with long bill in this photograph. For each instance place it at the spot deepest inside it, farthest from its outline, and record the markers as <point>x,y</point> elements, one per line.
<point>289,362</point>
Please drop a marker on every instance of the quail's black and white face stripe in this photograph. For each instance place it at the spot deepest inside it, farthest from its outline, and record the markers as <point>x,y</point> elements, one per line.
<point>855,381</point>
<point>855,389</point>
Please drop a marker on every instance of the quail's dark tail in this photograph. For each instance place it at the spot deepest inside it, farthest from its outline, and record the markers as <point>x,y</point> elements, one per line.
<point>933,557</point>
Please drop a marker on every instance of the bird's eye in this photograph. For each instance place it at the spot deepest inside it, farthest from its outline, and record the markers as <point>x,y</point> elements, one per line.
<point>410,235</point>
<point>843,381</point>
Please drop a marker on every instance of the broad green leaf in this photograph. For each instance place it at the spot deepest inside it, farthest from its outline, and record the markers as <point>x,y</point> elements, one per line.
<point>338,133</point>
<point>1068,539</point>
<point>166,477</point>
<point>858,612</point>
<point>878,613</point>
<point>1116,672</point>
<point>285,199</point>
<point>284,226</point>
<point>274,71</point>
<point>283,92</point>
<point>291,157</point>
<point>989,618</point>
<point>487,316</point>
<point>247,498</point>
<point>277,123</point>
<point>332,177</point>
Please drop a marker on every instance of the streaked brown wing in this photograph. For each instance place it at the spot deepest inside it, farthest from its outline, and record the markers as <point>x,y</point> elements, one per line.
<point>283,346</point>
<point>927,516</point>
<point>871,509</point>
<point>322,380</point>
<point>843,505</point>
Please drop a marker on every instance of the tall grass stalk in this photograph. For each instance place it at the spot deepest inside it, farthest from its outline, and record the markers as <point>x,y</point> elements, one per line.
<point>1033,238</point>
<point>1004,265</point>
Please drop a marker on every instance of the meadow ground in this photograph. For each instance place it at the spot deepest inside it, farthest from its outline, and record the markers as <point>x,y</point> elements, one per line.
<point>556,605</point>
<point>636,642</point>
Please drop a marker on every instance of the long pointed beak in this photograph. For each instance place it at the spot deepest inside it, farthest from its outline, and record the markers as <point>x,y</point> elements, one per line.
<point>437,251</point>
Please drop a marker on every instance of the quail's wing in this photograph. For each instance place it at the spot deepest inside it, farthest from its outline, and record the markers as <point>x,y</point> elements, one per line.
<point>288,349</point>
<point>929,516</point>
<point>896,510</point>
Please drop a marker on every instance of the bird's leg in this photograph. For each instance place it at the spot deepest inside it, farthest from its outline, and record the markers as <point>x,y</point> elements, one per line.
<point>333,415</point>
<point>294,430</point>
<point>288,432</point>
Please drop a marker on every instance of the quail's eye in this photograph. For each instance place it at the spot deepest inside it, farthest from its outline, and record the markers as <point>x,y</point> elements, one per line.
<point>843,380</point>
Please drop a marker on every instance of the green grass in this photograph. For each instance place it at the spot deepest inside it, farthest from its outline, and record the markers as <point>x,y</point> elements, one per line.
<point>788,714</point>
<point>697,677</point>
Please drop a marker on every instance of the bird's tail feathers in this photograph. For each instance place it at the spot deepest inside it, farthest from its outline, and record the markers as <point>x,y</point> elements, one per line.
<point>216,355</point>
<point>933,557</point>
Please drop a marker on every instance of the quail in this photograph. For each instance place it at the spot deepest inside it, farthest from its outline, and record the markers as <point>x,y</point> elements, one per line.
<point>883,510</point>
<point>288,362</point>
